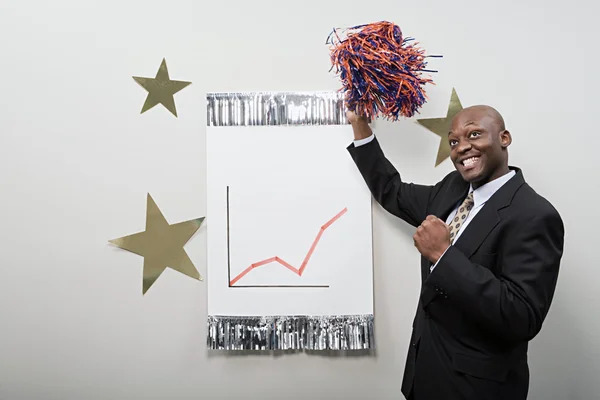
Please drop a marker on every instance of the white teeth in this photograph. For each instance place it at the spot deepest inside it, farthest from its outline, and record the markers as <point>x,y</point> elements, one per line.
<point>469,161</point>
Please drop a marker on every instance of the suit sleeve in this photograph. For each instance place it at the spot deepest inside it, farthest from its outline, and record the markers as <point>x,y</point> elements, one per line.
<point>515,304</point>
<point>404,200</point>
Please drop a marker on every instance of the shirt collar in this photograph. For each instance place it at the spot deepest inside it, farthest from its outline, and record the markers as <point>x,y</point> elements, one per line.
<point>484,192</point>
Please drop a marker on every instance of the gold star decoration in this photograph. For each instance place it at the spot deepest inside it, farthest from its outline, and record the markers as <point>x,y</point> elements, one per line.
<point>160,89</point>
<point>441,127</point>
<point>161,245</point>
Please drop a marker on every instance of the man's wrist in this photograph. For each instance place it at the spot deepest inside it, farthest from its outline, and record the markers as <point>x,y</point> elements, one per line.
<point>361,130</point>
<point>439,255</point>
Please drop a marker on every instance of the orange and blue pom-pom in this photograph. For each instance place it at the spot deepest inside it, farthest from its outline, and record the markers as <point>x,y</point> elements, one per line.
<point>380,70</point>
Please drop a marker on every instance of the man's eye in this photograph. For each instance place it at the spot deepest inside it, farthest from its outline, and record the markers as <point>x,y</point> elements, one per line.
<point>453,142</point>
<point>474,134</point>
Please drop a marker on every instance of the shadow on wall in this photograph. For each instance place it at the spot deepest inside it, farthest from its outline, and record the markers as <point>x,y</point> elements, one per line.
<point>560,365</point>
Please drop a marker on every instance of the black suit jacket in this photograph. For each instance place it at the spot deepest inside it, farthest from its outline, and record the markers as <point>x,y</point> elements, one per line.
<point>487,296</point>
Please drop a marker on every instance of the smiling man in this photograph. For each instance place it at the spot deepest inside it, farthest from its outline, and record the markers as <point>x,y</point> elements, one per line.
<point>478,143</point>
<point>490,255</point>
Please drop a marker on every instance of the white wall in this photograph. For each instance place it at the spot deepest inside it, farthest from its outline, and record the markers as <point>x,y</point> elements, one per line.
<point>77,160</point>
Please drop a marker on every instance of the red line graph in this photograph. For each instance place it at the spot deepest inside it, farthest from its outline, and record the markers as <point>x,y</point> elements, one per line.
<point>287,265</point>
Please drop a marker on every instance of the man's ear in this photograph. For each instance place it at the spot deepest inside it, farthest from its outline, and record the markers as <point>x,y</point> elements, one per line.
<point>505,138</point>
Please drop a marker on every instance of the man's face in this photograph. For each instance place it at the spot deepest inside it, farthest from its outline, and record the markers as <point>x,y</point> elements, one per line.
<point>478,144</point>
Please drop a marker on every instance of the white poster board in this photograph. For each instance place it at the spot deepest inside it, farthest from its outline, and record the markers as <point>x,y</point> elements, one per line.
<point>288,225</point>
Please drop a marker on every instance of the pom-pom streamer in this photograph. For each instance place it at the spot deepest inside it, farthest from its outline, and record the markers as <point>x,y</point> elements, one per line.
<point>381,72</point>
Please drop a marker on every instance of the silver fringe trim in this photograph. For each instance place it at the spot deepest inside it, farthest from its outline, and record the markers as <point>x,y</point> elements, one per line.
<point>266,108</point>
<point>345,332</point>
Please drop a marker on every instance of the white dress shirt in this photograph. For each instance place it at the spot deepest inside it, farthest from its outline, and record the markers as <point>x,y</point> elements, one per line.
<point>480,195</point>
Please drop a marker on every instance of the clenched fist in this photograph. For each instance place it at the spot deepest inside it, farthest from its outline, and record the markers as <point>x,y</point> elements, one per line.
<point>432,238</point>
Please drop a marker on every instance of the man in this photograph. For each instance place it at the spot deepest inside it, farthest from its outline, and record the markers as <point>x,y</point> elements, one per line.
<point>491,249</point>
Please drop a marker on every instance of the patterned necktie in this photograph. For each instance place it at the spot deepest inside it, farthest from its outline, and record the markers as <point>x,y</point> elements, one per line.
<point>461,216</point>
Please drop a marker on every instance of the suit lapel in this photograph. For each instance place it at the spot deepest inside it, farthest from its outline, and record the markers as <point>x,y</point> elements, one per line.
<point>477,230</point>
<point>487,218</point>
